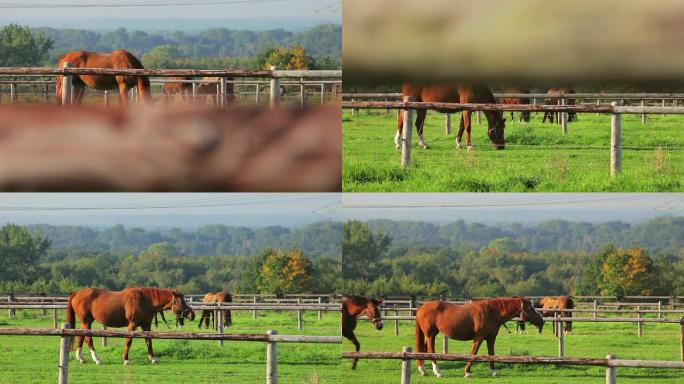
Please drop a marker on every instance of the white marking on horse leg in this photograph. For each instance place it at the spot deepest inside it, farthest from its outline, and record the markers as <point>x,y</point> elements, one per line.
<point>468,375</point>
<point>436,370</point>
<point>494,373</point>
<point>458,143</point>
<point>153,359</point>
<point>470,147</point>
<point>95,358</point>
<point>127,362</point>
<point>422,371</point>
<point>79,356</point>
<point>397,140</point>
<point>421,141</point>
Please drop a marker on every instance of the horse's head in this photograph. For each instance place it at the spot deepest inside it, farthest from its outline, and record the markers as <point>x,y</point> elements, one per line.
<point>373,312</point>
<point>181,308</point>
<point>529,314</point>
<point>496,131</point>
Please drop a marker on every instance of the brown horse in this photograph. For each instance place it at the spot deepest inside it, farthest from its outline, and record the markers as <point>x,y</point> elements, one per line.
<point>216,297</point>
<point>454,94</point>
<point>171,89</point>
<point>477,321</point>
<point>210,87</point>
<point>352,308</point>
<point>131,307</point>
<point>524,116</point>
<point>119,59</point>
<point>572,116</point>
<point>552,306</point>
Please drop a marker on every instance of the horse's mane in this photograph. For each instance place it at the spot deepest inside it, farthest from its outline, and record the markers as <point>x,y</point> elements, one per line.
<point>158,294</point>
<point>508,304</point>
<point>355,299</point>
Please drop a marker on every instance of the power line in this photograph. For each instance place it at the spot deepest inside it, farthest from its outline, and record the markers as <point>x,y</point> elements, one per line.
<point>171,3</point>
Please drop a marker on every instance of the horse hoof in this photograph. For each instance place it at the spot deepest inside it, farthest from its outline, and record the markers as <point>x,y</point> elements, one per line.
<point>127,362</point>
<point>470,147</point>
<point>154,360</point>
<point>468,375</point>
<point>440,375</point>
<point>425,146</point>
<point>494,374</point>
<point>81,361</point>
<point>458,145</point>
<point>98,362</point>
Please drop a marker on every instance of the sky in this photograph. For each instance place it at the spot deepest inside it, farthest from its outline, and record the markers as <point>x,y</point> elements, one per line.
<point>297,209</point>
<point>278,13</point>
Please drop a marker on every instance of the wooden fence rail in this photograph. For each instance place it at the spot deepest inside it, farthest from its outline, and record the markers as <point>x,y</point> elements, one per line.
<point>610,362</point>
<point>273,73</point>
<point>271,338</point>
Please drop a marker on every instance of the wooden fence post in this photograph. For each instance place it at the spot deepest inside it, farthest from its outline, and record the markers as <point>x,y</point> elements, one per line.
<point>299,316</point>
<point>660,308</point>
<point>220,320</point>
<point>13,93</point>
<point>64,346</point>
<point>271,360</point>
<point>595,308</point>
<point>447,124</point>
<point>681,338</point>
<point>258,92</point>
<point>406,367</point>
<point>610,371</point>
<point>55,320</point>
<point>643,115</point>
<point>663,105</point>
<point>320,313</point>
<point>223,99</point>
<point>106,99</point>
<point>561,339</point>
<point>615,142</point>
<point>104,338</point>
<point>354,110</point>
<point>564,119</point>
<point>598,104</point>
<point>477,114</point>
<point>10,311</point>
<point>396,321</point>
<point>66,86</point>
<point>640,325</point>
<point>254,300</point>
<point>322,93</point>
<point>194,92</point>
<point>406,133</point>
<point>301,93</point>
<point>445,344</point>
<point>275,89</point>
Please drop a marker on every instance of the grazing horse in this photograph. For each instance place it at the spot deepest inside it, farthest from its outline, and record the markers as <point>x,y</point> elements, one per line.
<point>216,297</point>
<point>131,307</point>
<point>556,305</point>
<point>477,321</point>
<point>525,115</point>
<point>170,89</point>
<point>453,94</point>
<point>572,116</point>
<point>119,59</point>
<point>209,86</point>
<point>352,308</point>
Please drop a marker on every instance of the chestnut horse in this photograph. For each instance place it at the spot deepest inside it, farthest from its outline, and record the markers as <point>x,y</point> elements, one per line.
<point>210,87</point>
<point>119,59</point>
<point>352,308</point>
<point>216,297</point>
<point>131,307</point>
<point>453,94</point>
<point>170,89</point>
<point>477,321</point>
<point>524,116</point>
<point>556,305</point>
<point>572,116</point>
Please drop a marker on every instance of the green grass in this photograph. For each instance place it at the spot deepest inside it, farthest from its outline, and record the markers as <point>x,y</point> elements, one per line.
<point>33,359</point>
<point>537,158</point>
<point>590,340</point>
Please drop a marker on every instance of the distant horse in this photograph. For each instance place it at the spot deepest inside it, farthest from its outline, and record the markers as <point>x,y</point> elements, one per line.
<point>453,94</point>
<point>131,307</point>
<point>477,321</point>
<point>352,308</point>
<point>210,86</point>
<point>556,305</point>
<point>572,116</point>
<point>524,116</point>
<point>171,89</point>
<point>119,59</point>
<point>216,297</point>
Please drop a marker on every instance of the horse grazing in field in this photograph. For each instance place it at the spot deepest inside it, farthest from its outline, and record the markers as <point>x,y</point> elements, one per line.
<point>555,305</point>
<point>572,116</point>
<point>352,308</point>
<point>171,89</point>
<point>131,307</point>
<point>453,94</point>
<point>216,297</point>
<point>210,86</point>
<point>524,116</point>
<point>119,59</point>
<point>477,321</point>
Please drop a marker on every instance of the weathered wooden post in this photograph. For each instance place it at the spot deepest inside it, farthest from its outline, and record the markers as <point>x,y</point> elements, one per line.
<point>106,99</point>
<point>46,93</point>
<point>275,89</point>
<point>66,86</point>
<point>10,311</point>
<point>55,320</point>
<point>445,344</point>
<point>640,324</point>
<point>220,321</point>
<point>615,142</point>
<point>681,338</point>
<point>299,315</point>
<point>301,93</point>
<point>322,93</point>
<point>64,346</point>
<point>354,110</point>
<point>643,115</point>
<point>194,92</point>
<point>564,119</point>
<point>672,301</point>
<point>406,133</point>
<point>561,339</point>
<point>663,105</point>
<point>610,371</point>
<point>257,91</point>
<point>406,367</point>
<point>13,93</point>
<point>447,124</point>
<point>396,321</point>
<point>598,104</point>
<point>477,114</point>
<point>595,308</point>
<point>223,86</point>
<point>320,313</point>
<point>104,338</point>
<point>271,360</point>
<point>254,314</point>
<point>660,308</point>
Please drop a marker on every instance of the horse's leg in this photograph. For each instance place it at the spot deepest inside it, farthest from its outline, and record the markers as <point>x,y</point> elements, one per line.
<point>148,327</point>
<point>459,135</point>
<point>58,92</point>
<point>127,344</point>
<point>400,127</point>
<point>420,124</point>
<point>466,125</point>
<point>89,341</point>
<point>473,351</point>
<point>123,90</point>
<point>85,324</point>
<point>349,334</point>
<point>490,352</point>
<point>430,340</point>
<point>79,91</point>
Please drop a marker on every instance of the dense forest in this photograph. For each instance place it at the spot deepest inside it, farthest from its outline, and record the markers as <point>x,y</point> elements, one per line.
<point>323,43</point>
<point>468,259</point>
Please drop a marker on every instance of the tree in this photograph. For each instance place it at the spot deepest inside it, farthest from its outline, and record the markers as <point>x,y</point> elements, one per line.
<point>162,56</point>
<point>362,250</point>
<point>627,272</point>
<point>20,253</point>
<point>20,48</point>
<point>285,58</point>
<point>285,272</point>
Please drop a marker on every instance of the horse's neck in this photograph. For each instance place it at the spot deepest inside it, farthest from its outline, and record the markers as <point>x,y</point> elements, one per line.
<point>355,310</point>
<point>509,311</point>
<point>162,298</point>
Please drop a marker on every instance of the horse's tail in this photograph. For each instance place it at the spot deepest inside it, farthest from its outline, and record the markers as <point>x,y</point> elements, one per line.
<point>143,81</point>
<point>420,344</point>
<point>71,317</point>
<point>569,305</point>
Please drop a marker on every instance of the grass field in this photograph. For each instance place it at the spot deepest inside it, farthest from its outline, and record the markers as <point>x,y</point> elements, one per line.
<point>537,158</point>
<point>33,359</point>
<point>591,340</point>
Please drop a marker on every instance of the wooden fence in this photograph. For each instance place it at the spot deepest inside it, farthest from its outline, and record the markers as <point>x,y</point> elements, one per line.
<point>409,106</point>
<point>610,362</point>
<point>271,338</point>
